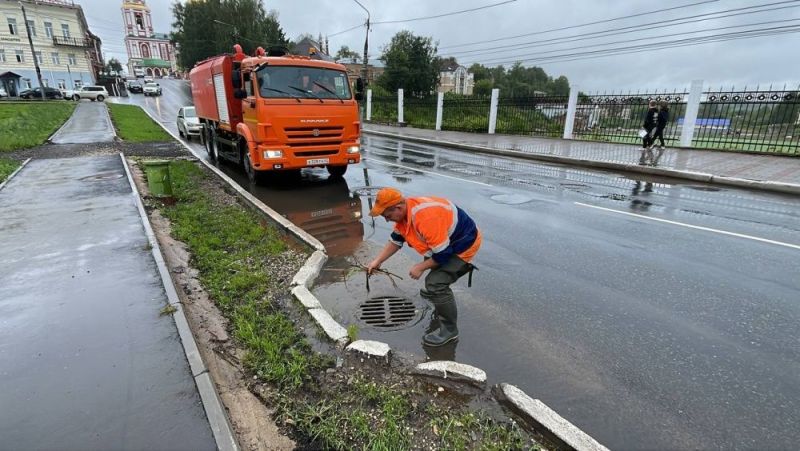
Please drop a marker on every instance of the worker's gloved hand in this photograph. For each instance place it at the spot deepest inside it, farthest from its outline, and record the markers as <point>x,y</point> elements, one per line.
<point>373,265</point>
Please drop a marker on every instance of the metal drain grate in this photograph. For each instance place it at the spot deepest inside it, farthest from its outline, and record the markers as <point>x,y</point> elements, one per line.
<point>387,311</point>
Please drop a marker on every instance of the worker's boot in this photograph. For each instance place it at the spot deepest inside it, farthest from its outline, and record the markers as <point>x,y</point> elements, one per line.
<point>448,331</point>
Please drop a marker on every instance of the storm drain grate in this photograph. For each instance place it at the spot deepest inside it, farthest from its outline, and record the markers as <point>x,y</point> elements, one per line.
<point>387,311</point>
<point>102,176</point>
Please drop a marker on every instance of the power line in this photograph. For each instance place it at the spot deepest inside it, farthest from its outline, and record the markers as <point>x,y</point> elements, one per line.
<point>345,31</point>
<point>660,45</point>
<point>448,14</point>
<point>621,18</point>
<point>652,37</point>
<point>599,34</point>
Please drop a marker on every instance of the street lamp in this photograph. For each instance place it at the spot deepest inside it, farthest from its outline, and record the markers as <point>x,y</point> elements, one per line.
<point>366,45</point>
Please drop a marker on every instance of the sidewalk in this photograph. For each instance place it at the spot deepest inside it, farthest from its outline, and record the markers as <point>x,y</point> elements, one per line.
<point>767,172</point>
<point>86,359</point>
<point>89,123</point>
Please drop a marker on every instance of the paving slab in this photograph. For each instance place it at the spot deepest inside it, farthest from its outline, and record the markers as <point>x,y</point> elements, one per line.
<point>86,359</point>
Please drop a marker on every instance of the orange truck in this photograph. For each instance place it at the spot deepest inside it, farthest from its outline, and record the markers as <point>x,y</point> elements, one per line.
<point>277,112</point>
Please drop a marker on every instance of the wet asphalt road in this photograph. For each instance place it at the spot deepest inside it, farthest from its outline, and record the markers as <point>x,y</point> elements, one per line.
<point>645,334</point>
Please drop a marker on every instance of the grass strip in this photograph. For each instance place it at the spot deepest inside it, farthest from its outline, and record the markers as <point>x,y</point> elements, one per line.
<point>134,125</point>
<point>29,124</point>
<point>234,250</point>
<point>7,166</point>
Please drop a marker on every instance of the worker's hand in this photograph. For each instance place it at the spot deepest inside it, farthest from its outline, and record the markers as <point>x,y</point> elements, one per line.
<point>373,265</point>
<point>416,271</point>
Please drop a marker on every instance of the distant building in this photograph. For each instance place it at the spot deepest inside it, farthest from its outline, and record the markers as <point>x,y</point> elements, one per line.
<point>149,53</point>
<point>67,52</point>
<point>355,69</point>
<point>311,48</point>
<point>455,78</point>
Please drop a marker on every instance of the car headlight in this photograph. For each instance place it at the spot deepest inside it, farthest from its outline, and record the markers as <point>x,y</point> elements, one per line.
<point>273,154</point>
<point>353,149</point>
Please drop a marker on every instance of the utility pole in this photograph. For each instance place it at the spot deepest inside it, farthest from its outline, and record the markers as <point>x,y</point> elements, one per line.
<point>364,70</point>
<point>33,52</point>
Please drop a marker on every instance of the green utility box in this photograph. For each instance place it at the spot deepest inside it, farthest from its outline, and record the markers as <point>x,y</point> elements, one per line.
<point>158,178</point>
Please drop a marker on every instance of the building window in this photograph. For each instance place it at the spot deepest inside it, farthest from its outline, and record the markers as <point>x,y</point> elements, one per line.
<point>27,83</point>
<point>20,56</point>
<point>55,58</point>
<point>31,28</point>
<point>12,25</point>
<point>77,83</point>
<point>46,82</point>
<point>139,21</point>
<point>38,57</point>
<point>62,84</point>
<point>2,56</point>
<point>65,30</point>
<point>71,59</point>
<point>48,29</point>
<point>145,51</point>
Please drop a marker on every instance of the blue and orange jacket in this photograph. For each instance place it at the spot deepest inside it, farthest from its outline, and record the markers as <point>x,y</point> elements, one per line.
<point>436,228</point>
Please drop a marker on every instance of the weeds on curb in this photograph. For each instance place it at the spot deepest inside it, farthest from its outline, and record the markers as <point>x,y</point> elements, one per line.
<point>7,166</point>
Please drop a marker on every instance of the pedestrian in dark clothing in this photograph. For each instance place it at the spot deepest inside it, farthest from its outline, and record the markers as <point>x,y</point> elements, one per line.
<point>661,122</point>
<point>650,120</point>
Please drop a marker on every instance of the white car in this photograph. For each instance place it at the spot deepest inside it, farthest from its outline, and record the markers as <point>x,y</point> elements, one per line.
<point>152,89</point>
<point>188,123</point>
<point>92,93</point>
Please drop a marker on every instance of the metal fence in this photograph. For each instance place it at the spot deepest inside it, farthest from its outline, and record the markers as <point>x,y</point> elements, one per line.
<point>534,115</point>
<point>619,117</point>
<point>760,120</point>
<point>420,112</point>
<point>384,109</point>
<point>764,121</point>
<point>466,113</point>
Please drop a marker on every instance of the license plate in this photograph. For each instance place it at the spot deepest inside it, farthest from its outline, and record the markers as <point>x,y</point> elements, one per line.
<point>318,161</point>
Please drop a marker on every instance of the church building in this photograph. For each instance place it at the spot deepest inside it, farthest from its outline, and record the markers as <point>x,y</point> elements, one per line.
<point>149,53</point>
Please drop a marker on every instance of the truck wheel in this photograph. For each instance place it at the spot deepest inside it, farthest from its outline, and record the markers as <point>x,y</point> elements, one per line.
<point>337,171</point>
<point>255,177</point>
<point>211,145</point>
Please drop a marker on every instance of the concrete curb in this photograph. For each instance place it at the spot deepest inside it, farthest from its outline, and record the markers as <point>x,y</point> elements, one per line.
<point>537,413</point>
<point>781,187</point>
<point>215,412</point>
<point>370,349</point>
<point>447,369</point>
<point>16,171</point>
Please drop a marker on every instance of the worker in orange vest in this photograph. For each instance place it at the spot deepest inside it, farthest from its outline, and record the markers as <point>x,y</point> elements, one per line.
<point>448,239</point>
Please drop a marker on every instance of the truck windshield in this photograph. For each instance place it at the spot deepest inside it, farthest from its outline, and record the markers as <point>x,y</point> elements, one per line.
<point>279,81</point>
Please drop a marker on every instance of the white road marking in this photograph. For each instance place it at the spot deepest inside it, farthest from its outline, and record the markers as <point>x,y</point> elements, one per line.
<point>426,172</point>
<point>707,229</point>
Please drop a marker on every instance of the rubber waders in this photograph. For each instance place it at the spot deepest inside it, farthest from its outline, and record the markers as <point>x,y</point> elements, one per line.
<point>448,331</point>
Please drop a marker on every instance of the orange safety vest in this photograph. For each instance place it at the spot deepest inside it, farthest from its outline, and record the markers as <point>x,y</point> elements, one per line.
<point>433,224</point>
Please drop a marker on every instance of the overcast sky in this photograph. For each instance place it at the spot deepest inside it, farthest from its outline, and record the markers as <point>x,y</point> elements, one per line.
<point>765,60</point>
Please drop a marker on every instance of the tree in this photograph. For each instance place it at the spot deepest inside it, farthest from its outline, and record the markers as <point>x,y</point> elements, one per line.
<point>345,53</point>
<point>113,66</point>
<point>212,27</point>
<point>411,64</point>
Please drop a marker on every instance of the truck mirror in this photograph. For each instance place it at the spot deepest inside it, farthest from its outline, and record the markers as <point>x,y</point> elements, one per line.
<point>236,79</point>
<point>359,96</point>
<point>359,85</point>
<point>240,93</point>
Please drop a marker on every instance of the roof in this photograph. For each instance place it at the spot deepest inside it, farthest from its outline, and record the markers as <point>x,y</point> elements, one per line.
<point>9,74</point>
<point>154,62</point>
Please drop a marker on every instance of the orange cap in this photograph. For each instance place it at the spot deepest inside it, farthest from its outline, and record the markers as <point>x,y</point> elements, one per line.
<point>387,197</point>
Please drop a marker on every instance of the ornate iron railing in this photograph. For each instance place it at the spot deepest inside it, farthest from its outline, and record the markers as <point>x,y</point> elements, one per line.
<point>539,115</point>
<point>465,113</point>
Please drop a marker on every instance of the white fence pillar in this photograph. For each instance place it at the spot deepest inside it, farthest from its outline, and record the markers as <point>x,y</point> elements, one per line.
<point>400,106</point>
<point>692,108</point>
<point>572,107</point>
<point>369,104</point>
<point>439,107</point>
<point>493,110</point>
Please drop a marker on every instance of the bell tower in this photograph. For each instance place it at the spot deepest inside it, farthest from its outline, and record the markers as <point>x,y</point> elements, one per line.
<point>136,16</point>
